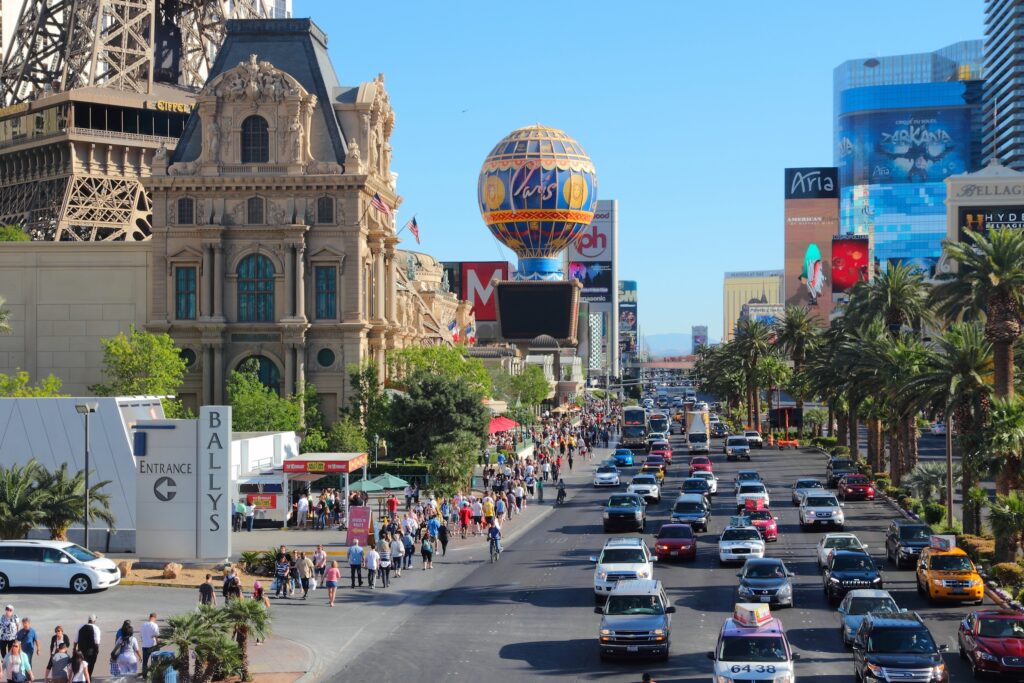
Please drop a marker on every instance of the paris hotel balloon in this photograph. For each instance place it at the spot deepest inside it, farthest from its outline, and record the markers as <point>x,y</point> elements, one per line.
<point>537,191</point>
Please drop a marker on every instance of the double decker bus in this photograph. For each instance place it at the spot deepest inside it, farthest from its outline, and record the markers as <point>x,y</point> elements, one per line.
<point>634,428</point>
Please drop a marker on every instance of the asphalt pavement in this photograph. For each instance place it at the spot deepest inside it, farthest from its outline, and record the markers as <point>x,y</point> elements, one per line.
<point>531,614</point>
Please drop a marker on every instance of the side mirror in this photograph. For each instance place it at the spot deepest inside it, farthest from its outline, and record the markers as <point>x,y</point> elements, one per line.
<point>943,648</point>
<point>711,656</point>
<point>671,609</point>
<point>599,610</point>
<point>903,610</point>
<point>865,545</point>
<point>795,656</point>
<point>740,574</point>
<point>842,505</point>
<point>593,558</point>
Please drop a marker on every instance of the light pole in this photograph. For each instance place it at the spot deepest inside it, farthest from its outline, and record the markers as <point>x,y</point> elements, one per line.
<point>87,409</point>
<point>376,449</point>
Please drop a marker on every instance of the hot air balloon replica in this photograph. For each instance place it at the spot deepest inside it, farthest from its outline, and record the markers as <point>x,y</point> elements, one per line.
<point>537,191</point>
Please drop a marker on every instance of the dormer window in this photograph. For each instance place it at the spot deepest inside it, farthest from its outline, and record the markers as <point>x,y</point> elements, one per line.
<point>255,140</point>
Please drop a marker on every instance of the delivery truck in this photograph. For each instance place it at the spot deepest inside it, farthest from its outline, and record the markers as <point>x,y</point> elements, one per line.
<point>698,432</point>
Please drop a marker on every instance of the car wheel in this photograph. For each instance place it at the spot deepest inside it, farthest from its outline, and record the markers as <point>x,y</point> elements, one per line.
<point>605,527</point>
<point>4,583</point>
<point>664,657</point>
<point>80,583</point>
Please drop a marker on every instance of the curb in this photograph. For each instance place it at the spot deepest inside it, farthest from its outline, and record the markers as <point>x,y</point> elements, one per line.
<point>153,584</point>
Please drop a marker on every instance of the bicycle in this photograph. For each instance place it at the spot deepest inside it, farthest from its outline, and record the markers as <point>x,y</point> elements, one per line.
<point>495,550</point>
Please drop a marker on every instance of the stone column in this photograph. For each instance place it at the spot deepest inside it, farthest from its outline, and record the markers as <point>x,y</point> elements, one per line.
<point>389,285</point>
<point>289,282</point>
<point>218,281</point>
<point>378,282</point>
<point>300,282</point>
<point>289,369</point>
<point>207,361</point>
<point>207,283</point>
<point>218,374</point>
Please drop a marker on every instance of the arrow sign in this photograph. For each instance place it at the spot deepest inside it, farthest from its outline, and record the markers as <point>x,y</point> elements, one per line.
<point>163,489</point>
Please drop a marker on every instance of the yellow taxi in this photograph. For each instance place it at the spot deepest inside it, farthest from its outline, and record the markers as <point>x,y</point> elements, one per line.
<point>945,572</point>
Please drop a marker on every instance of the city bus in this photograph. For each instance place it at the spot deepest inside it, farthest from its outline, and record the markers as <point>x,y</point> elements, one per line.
<point>634,428</point>
<point>658,422</point>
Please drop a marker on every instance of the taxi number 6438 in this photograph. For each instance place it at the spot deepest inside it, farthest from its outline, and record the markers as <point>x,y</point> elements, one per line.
<point>759,668</point>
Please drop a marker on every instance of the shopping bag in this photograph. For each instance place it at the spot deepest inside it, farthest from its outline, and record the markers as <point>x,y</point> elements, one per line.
<point>312,583</point>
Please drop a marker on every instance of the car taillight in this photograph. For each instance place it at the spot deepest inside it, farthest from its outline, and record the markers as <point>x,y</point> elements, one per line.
<point>871,490</point>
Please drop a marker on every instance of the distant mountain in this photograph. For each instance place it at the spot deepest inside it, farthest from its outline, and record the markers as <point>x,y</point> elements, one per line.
<point>671,344</point>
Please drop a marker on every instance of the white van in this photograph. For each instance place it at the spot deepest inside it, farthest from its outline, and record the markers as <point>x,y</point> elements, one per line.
<point>54,564</point>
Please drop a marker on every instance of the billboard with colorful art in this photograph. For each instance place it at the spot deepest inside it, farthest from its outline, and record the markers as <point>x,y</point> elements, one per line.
<point>811,220</point>
<point>850,261</point>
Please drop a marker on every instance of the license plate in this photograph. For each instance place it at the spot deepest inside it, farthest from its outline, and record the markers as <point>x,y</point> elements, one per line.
<point>632,648</point>
<point>766,598</point>
<point>959,591</point>
<point>674,552</point>
<point>821,521</point>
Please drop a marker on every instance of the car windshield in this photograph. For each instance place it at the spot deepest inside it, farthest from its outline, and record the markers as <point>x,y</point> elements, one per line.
<point>752,649</point>
<point>646,480</point>
<point>686,506</point>
<point>809,484</point>
<point>680,531</point>
<point>634,604</point>
<point>759,515</point>
<point>623,556</point>
<point>1001,628</point>
<point>900,640</point>
<point>842,542</point>
<point>752,488</point>
<point>695,484</point>
<point>755,435</point>
<point>622,502</point>
<point>860,481</point>
<point>747,474</point>
<point>632,432</point>
<point>706,476</point>
<point>605,469</point>
<point>80,553</point>
<point>757,570</point>
<point>741,535</point>
<point>697,438</point>
<point>821,502</point>
<point>852,563</point>
<point>865,605</point>
<point>700,461</point>
<point>737,441</point>
<point>915,533</point>
<point>952,563</point>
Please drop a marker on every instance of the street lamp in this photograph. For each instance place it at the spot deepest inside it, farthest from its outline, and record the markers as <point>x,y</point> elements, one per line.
<point>87,409</point>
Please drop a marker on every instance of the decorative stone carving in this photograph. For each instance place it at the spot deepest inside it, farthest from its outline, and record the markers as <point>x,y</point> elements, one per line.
<point>237,214</point>
<point>254,80</point>
<point>213,142</point>
<point>411,267</point>
<point>182,168</point>
<point>296,140</point>
<point>446,286</point>
<point>353,161</point>
<point>323,168</point>
<point>160,160</point>
<point>276,213</point>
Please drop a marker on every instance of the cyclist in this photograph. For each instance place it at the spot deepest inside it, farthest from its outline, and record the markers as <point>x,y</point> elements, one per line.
<point>494,538</point>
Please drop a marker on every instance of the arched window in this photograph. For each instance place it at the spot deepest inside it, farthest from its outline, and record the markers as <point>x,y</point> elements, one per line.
<point>186,211</point>
<point>255,289</point>
<point>254,211</point>
<point>255,141</point>
<point>325,210</point>
<point>265,368</point>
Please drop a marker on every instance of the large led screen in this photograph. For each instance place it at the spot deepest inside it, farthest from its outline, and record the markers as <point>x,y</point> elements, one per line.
<point>984,218</point>
<point>850,262</point>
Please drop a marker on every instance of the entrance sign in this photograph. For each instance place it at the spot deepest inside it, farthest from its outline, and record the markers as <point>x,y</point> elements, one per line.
<point>214,530</point>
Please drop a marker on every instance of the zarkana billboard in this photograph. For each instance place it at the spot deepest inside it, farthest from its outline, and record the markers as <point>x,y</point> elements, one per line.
<point>903,146</point>
<point>812,220</point>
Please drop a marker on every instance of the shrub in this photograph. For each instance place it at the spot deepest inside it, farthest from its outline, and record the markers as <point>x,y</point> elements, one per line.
<point>1009,575</point>
<point>825,442</point>
<point>882,483</point>
<point>981,549</point>
<point>934,513</point>
<point>839,451</point>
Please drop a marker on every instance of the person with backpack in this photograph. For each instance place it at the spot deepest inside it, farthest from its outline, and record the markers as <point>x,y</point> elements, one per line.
<point>88,643</point>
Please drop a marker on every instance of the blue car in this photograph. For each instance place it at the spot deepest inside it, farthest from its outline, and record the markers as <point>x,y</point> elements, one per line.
<point>623,457</point>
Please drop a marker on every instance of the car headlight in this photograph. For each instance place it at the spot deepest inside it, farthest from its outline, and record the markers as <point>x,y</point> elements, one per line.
<point>936,582</point>
<point>877,579</point>
<point>875,669</point>
<point>787,588</point>
<point>988,657</point>
<point>638,514</point>
<point>974,583</point>
<point>834,580</point>
<point>606,515</point>
<point>938,669</point>
<point>644,574</point>
<point>605,632</point>
<point>744,590</point>
<point>602,574</point>
<point>723,679</point>
<point>659,631</point>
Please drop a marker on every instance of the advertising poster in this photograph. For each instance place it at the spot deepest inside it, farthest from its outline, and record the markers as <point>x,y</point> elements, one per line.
<point>627,306</point>
<point>928,265</point>
<point>478,289</point>
<point>358,525</point>
<point>596,278</point>
<point>811,221</point>
<point>262,501</point>
<point>984,218</point>
<point>850,262</point>
<point>905,146</point>
<point>592,255</point>
<point>699,335</point>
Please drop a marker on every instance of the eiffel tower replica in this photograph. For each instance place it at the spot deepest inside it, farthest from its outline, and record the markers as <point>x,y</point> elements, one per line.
<point>91,91</point>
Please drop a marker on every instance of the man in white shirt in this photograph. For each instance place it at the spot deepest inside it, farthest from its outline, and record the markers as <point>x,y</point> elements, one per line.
<point>303,511</point>
<point>150,632</point>
<point>372,561</point>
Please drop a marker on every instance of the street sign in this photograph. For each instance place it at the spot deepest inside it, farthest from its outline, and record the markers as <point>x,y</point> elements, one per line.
<point>163,489</point>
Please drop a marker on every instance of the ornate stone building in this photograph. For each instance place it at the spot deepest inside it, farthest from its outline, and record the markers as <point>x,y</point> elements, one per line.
<point>273,228</point>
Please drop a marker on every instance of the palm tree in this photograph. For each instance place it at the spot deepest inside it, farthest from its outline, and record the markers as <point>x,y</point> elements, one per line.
<point>22,502</point>
<point>795,335</point>
<point>989,286</point>
<point>928,480</point>
<point>1005,438</point>
<point>65,501</point>
<point>1006,515</point>
<point>217,656</point>
<point>5,318</point>
<point>247,618</point>
<point>899,296</point>
<point>753,341</point>
<point>184,631</point>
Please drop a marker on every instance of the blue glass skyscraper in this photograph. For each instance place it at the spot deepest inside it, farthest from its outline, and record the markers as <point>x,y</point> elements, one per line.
<point>903,124</point>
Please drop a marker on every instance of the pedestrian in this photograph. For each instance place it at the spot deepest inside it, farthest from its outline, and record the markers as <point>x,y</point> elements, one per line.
<point>547,470</point>
<point>397,551</point>
<point>28,638</point>
<point>8,630</point>
<point>293,572</point>
<point>442,537</point>
<point>17,664</point>
<point>126,653</point>
<point>306,569</point>
<point>499,508</point>
<point>372,561</point>
<point>383,573</point>
<point>465,518</point>
<point>207,596</point>
<point>259,594</point>
<point>58,664</point>
<point>150,634</point>
<point>392,505</point>
<point>88,643</point>
<point>302,511</point>
<point>410,549</point>
<point>331,578</point>
<point>236,519</point>
<point>78,671</point>
<point>427,553</point>
<point>540,490</point>
<point>478,516</point>
<point>250,516</point>
<point>570,462</point>
<point>320,563</point>
<point>57,638</point>
<point>355,563</point>
<point>281,569</point>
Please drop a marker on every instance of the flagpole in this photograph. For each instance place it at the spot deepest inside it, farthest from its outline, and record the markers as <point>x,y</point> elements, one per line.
<point>407,223</point>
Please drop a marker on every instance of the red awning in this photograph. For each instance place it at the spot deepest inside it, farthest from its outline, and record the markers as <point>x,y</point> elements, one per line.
<point>502,424</point>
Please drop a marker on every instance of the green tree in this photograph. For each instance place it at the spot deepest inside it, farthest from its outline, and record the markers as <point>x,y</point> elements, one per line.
<point>752,342</point>
<point>21,501</point>
<point>928,480</point>
<point>433,408</point>
<point>451,468</point>
<point>1004,437</point>
<point>796,334</point>
<point>256,407</point>
<point>814,419</point>
<point>346,436</point>
<point>370,403</point>
<point>447,361</point>
<point>5,317</point>
<point>64,496</point>
<point>530,387</point>
<point>19,385</point>
<point>1006,515</point>
<point>247,618</point>
<point>143,363</point>
<point>13,233</point>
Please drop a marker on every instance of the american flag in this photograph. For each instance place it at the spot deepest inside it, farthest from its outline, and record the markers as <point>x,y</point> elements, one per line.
<point>414,228</point>
<point>379,204</point>
<point>453,327</point>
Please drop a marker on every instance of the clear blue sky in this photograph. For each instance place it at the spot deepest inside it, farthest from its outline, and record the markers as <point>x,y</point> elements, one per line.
<point>690,111</point>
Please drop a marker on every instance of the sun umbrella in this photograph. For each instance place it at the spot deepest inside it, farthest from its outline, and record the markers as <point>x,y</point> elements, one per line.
<point>366,485</point>
<point>389,481</point>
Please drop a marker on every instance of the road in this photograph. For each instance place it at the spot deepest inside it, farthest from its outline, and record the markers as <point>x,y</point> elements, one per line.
<point>531,614</point>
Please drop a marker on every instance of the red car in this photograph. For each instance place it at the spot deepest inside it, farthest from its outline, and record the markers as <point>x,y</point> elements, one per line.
<point>700,464</point>
<point>664,453</point>
<point>992,641</point>
<point>856,486</point>
<point>765,523</point>
<point>675,542</point>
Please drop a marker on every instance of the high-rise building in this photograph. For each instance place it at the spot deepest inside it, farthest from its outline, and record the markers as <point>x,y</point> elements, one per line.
<point>698,337</point>
<point>1004,70</point>
<point>903,124</point>
<point>593,261</point>
<point>752,286</point>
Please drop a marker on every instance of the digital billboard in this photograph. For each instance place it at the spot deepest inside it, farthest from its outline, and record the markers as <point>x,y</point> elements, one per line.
<point>811,220</point>
<point>627,306</point>
<point>903,146</point>
<point>699,337</point>
<point>592,255</point>
<point>596,279</point>
<point>478,289</point>
<point>850,261</point>
<point>984,218</point>
<point>529,309</point>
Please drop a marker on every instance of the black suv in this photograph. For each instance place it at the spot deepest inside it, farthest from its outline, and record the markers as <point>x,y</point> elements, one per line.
<point>849,570</point>
<point>904,540</point>
<point>625,510</point>
<point>837,467</point>
<point>899,644</point>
